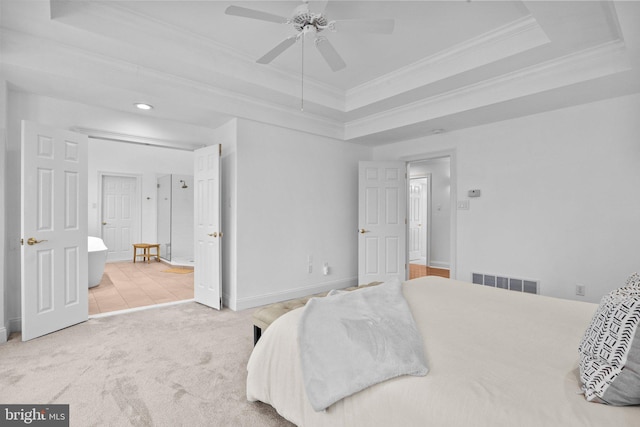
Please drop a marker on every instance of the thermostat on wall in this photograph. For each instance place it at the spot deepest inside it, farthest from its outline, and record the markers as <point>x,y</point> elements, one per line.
<point>474,193</point>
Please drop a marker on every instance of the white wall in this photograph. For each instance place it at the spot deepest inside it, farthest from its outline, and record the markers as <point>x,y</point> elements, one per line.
<point>182,215</point>
<point>148,162</point>
<point>227,135</point>
<point>297,196</point>
<point>3,132</point>
<point>560,200</point>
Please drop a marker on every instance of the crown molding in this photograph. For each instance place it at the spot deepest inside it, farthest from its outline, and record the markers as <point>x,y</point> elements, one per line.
<point>602,60</point>
<point>510,39</point>
<point>228,61</point>
<point>33,52</point>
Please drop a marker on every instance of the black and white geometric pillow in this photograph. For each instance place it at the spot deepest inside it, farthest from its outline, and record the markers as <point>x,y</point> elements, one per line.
<point>610,349</point>
<point>633,281</point>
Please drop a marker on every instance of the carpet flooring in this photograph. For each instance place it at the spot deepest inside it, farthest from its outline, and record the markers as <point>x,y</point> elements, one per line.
<point>181,365</point>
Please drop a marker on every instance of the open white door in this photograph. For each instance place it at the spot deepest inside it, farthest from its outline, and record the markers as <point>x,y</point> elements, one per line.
<point>54,230</point>
<point>207,280</point>
<point>382,221</point>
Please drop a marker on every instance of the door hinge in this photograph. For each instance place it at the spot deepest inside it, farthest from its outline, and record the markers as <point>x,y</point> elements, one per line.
<point>405,221</point>
<point>220,149</point>
<point>22,242</point>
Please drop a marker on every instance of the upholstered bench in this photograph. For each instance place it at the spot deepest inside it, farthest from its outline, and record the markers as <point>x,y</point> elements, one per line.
<point>264,316</point>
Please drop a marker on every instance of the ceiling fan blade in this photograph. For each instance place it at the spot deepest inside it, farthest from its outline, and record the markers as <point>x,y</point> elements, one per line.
<point>330,54</point>
<point>380,26</point>
<point>255,14</point>
<point>276,51</point>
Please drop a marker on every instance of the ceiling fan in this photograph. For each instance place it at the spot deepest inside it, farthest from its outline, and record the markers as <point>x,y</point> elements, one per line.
<point>306,22</point>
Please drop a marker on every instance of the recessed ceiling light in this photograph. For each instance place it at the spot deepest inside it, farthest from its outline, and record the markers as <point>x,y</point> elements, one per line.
<point>143,106</point>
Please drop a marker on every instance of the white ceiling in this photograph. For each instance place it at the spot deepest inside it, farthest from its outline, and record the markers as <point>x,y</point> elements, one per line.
<point>448,65</point>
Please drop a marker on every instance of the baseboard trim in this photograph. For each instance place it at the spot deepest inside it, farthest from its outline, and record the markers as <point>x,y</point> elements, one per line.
<point>270,298</point>
<point>15,325</point>
<point>226,302</point>
<point>439,264</point>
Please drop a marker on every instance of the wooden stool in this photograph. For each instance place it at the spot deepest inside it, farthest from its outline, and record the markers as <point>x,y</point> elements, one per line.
<point>157,254</point>
<point>146,253</point>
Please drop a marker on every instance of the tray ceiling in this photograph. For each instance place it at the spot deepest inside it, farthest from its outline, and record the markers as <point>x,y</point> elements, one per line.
<point>448,64</point>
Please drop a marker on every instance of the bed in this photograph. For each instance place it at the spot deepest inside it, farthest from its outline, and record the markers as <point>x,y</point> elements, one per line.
<point>495,357</point>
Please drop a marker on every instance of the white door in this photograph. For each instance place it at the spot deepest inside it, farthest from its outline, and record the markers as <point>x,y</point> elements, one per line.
<point>415,220</point>
<point>382,221</point>
<point>207,274</point>
<point>119,216</point>
<point>54,230</point>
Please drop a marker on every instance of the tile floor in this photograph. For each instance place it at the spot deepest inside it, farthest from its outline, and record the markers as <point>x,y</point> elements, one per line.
<point>127,285</point>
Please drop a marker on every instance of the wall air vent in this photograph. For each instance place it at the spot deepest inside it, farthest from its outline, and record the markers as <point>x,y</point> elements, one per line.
<point>512,283</point>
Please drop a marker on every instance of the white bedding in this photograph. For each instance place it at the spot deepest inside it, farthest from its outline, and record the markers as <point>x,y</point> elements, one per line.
<point>351,340</point>
<point>496,358</point>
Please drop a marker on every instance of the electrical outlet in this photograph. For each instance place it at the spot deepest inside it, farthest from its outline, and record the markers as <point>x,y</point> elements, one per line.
<point>580,290</point>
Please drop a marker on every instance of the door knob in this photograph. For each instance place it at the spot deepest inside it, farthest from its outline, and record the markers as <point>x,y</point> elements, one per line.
<point>362,231</point>
<point>104,223</point>
<point>214,234</point>
<point>31,241</point>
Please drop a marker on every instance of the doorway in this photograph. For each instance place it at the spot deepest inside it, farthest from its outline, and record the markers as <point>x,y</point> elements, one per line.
<point>429,225</point>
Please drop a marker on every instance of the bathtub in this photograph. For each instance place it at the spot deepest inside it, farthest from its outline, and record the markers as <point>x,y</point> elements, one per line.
<point>97,257</point>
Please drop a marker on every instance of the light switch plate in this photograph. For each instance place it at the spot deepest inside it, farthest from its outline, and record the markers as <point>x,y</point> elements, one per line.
<point>463,205</point>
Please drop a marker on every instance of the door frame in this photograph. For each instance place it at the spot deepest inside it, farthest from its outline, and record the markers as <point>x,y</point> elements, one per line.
<point>138,217</point>
<point>453,201</point>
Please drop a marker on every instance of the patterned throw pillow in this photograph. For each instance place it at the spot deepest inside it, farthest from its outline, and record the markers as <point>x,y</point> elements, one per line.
<point>633,281</point>
<point>610,349</point>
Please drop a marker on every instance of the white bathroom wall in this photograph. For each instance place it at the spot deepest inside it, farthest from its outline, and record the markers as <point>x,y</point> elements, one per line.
<point>560,200</point>
<point>182,218</point>
<point>163,217</point>
<point>145,161</point>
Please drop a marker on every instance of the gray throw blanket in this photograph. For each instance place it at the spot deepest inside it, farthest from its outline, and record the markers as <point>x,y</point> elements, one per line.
<point>352,340</point>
